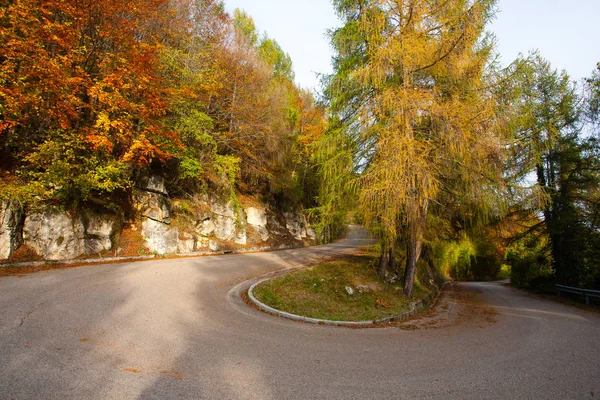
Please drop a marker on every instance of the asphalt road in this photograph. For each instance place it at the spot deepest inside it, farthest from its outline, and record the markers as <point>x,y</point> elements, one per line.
<point>178,329</point>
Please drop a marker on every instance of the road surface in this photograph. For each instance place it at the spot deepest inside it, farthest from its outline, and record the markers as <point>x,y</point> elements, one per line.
<point>178,329</point>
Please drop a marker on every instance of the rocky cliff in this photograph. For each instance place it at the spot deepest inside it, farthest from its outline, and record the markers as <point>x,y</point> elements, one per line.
<point>198,225</point>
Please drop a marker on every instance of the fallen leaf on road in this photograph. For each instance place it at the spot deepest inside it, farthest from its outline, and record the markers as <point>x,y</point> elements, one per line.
<point>132,370</point>
<point>173,374</point>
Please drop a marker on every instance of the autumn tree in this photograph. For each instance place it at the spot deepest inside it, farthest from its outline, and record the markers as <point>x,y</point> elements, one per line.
<point>258,109</point>
<point>197,34</point>
<point>81,97</point>
<point>410,91</point>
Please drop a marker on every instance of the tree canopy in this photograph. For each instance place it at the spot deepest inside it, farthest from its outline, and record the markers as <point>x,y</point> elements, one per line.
<point>93,94</point>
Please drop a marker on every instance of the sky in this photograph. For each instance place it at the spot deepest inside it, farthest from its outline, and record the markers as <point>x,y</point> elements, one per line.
<point>563,31</point>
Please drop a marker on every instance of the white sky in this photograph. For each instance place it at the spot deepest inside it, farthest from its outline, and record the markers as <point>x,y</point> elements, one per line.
<point>564,31</point>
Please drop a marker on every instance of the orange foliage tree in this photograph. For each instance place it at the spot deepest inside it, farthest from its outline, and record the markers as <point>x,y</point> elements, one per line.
<point>81,97</point>
<point>93,93</point>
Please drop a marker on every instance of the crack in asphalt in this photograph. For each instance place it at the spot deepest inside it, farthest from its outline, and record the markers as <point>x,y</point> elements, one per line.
<point>28,314</point>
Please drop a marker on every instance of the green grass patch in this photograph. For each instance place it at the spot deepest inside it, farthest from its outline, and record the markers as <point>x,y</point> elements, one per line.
<point>320,292</point>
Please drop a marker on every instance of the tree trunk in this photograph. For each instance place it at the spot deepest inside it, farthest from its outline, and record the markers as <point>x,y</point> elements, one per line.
<point>393,265</point>
<point>416,220</point>
<point>412,256</point>
<point>384,261</point>
<point>432,272</point>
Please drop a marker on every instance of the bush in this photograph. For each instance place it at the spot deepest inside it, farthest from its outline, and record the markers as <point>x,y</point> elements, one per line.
<point>453,259</point>
<point>530,265</point>
<point>468,258</point>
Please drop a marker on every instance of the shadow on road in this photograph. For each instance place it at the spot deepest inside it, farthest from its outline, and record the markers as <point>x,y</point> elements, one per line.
<point>164,329</point>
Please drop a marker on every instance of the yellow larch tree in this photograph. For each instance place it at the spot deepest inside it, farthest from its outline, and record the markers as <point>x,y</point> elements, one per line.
<point>410,89</point>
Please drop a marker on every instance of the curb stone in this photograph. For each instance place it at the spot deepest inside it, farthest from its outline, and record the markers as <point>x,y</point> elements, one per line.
<point>415,307</point>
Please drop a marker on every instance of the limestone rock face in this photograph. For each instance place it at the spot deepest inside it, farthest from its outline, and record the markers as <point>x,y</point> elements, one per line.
<point>295,225</point>
<point>203,222</point>
<point>55,235</point>
<point>154,183</point>
<point>223,209</point>
<point>257,219</point>
<point>150,199</point>
<point>241,237</point>
<point>225,222</point>
<point>224,227</point>
<point>202,243</point>
<point>160,237</point>
<point>100,230</point>
<point>186,243</point>
<point>227,229</point>
<point>310,232</point>
<point>152,205</point>
<point>11,216</point>
<point>206,228</point>
<point>164,239</point>
<point>256,216</point>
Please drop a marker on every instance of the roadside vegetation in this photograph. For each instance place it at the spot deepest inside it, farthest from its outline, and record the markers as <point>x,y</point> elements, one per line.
<point>504,272</point>
<point>347,289</point>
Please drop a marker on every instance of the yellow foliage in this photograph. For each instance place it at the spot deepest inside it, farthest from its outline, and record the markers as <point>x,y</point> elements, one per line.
<point>428,119</point>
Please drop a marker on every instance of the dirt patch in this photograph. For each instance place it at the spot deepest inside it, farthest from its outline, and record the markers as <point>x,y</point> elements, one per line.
<point>249,201</point>
<point>458,306</point>
<point>131,243</point>
<point>23,253</point>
